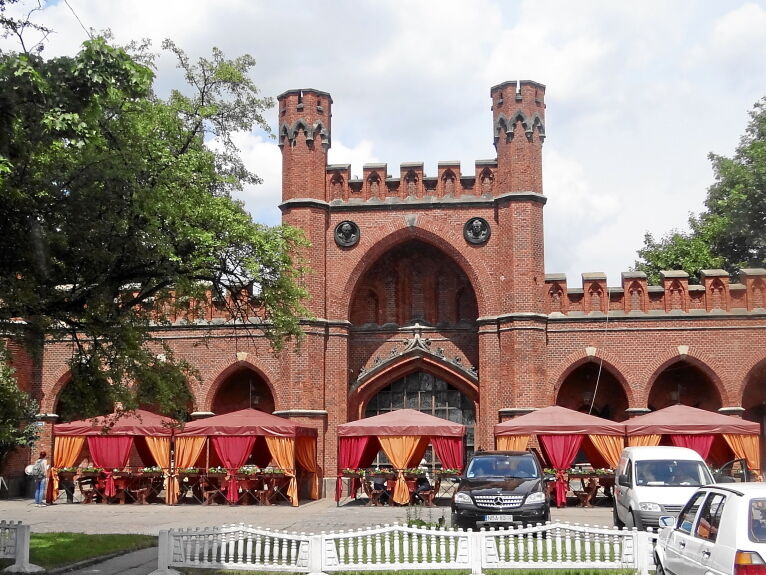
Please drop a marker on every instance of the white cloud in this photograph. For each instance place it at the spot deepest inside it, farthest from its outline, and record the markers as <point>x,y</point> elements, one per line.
<point>637,93</point>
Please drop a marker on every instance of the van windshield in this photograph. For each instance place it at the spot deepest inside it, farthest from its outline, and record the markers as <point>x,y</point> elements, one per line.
<point>517,466</point>
<point>672,472</point>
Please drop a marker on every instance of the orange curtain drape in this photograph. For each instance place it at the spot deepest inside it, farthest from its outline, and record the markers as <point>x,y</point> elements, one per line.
<point>641,440</point>
<point>609,446</point>
<point>283,451</point>
<point>513,442</point>
<point>745,447</point>
<point>401,450</point>
<point>159,447</point>
<point>187,452</point>
<point>306,454</point>
<point>66,448</point>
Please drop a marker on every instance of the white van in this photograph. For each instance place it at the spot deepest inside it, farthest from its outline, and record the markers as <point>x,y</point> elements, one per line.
<point>655,481</point>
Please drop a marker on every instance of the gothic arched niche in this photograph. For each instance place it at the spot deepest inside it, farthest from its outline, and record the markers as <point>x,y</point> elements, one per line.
<point>243,388</point>
<point>589,390</point>
<point>684,383</point>
<point>414,282</point>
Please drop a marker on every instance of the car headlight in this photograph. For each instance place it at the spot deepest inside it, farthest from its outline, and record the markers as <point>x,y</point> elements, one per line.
<point>538,497</point>
<point>461,497</point>
<point>650,507</point>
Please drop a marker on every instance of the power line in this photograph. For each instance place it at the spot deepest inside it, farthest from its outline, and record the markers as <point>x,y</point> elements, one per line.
<point>78,19</point>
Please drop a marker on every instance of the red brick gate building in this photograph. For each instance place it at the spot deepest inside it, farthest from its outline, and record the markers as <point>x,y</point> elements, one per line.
<point>430,292</point>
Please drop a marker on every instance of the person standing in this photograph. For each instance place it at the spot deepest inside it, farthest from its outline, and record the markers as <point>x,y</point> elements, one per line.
<point>39,473</point>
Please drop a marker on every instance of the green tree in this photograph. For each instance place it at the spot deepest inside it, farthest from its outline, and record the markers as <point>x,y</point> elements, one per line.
<point>117,213</point>
<point>17,411</point>
<point>731,232</point>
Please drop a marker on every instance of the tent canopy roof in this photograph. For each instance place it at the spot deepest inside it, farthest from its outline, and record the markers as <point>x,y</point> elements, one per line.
<point>138,422</point>
<point>401,422</point>
<point>247,422</point>
<point>683,419</point>
<point>557,420</point>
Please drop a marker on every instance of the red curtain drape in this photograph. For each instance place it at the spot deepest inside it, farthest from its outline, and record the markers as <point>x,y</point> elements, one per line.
<point>449,450</point>
<point>699,443</point>
<point>561,451</point>
<point>233,451</point>
<point>110,453</point>
<point>353,453</point>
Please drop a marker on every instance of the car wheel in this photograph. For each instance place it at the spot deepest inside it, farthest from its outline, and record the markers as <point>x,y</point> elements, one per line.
<point>637,523</point>
<point>659,570</point>
<point>616,518</point>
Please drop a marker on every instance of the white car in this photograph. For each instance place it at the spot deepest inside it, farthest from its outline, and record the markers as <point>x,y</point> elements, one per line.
<point>722,529</point>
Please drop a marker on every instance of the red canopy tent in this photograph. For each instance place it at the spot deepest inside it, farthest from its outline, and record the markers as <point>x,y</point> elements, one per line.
<point>110,439</point>
<point>234,438</point>
<point>560,432</point>
<point>403,435</point>
<point>707,432</point>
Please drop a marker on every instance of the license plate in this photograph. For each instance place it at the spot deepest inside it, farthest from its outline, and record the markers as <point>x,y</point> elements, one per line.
<point>499,518</point>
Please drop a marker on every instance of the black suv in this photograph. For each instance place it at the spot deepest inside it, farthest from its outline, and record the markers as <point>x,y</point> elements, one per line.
<point>501,488</point>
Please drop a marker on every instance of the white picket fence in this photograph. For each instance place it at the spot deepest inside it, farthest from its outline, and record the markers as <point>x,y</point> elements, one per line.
<point>395,547</point>
<point>14,544</point>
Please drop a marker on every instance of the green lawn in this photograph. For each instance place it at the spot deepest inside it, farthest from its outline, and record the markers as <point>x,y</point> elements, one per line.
<point>51,550</point>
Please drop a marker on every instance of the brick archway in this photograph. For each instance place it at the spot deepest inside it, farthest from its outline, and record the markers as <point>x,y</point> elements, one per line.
<point>592,387</point>
<point>674,381</point>
<point>577,360</point>
<point>435,238</point>
<point>225,376</point>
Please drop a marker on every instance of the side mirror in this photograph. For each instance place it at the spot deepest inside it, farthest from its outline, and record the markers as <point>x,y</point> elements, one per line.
<point>667,521</point>
<point>622,479</point>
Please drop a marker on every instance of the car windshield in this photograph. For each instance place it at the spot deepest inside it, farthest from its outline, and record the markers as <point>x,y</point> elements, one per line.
<point>672,473</point>
<point>517,466</point>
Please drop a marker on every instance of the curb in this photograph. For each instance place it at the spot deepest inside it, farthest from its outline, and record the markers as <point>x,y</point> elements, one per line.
<point>91,561</point>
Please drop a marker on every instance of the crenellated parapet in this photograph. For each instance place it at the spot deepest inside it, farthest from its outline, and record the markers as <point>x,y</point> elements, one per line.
<point>378,185</point>
<point>635,297</point>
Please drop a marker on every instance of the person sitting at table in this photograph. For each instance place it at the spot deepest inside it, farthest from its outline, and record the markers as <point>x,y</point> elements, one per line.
<point>379,485</point>
<point>422,485</point>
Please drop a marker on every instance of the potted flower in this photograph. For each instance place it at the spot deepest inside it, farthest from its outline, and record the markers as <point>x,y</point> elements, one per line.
<point>248,470</point>
<point>353,472</point>
<point>153,469</point>
<point>216,470</point>
<point>447,472</point>
<point>91,470</point>
<point>380,472</point>
<point>188,470</point>
<point>67,473</point>
<point>273,471</point>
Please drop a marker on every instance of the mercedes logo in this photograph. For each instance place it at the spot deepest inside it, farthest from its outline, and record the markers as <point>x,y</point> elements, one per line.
<point>498,501</point>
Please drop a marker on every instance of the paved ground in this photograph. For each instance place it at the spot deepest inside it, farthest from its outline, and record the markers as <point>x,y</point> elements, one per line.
<point>311,517</point>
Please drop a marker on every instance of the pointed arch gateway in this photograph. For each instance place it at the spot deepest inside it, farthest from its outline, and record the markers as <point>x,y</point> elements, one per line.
<point>421,384</point>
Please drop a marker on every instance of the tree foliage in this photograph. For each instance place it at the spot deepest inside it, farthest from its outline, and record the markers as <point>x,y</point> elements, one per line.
<point>17,411</point>
<point>731,232</point>
<point>118,211</point>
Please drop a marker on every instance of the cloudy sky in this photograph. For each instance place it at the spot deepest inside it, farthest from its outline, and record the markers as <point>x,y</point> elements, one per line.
<point>638,93</point>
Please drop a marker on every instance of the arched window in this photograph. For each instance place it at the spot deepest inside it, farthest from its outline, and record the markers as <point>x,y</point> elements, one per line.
<point>425,392</point>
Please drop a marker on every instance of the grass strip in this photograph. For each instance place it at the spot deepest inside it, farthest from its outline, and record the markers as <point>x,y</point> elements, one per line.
<point>51,550</point>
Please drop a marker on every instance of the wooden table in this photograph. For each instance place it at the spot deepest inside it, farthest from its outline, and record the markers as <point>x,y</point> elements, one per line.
<point>590,484</point>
